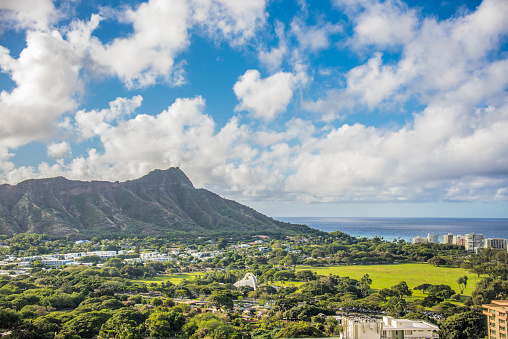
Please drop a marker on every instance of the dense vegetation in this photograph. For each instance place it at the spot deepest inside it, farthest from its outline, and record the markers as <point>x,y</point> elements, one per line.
<point>109,300</point>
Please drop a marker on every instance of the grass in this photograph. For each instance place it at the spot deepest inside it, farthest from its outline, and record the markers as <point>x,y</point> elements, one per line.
<point>385,276</point>
<point>174,278</point>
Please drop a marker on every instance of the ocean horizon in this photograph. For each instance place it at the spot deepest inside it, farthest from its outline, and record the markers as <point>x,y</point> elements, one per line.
<point>405,228</point>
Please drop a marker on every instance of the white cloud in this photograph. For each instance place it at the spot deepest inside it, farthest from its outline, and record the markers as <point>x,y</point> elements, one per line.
<point>38,14</point>
<point>95,122</point>
<point>264,98</point>
<point>160,33</point>
<point>273,59</point>
<point>314,38</point>
<point>59,150</point>
<point>439,61</point>
<point>385,24</point>
<point>47,81</point>
<point>235,20</point>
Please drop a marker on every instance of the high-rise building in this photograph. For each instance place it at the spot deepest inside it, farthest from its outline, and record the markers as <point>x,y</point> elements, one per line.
<point>432,238</point>
<point>495,243</point>
<point>496,313</point>
<point>448,239</point>
<point>460,240</point>
<point>474,241</point>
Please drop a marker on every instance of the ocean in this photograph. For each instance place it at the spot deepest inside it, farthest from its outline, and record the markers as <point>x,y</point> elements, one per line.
<point>405,228</point>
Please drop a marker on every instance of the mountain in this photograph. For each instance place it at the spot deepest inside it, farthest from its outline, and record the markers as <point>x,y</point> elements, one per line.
<point>160,203</point>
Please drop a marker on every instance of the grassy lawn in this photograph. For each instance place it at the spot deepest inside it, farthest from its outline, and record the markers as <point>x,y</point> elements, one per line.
<point>385,276</point>
<point>174,278</point>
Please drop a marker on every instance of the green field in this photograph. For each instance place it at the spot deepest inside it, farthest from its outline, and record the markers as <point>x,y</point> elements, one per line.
<point>385,276</point>
<point>174,278</point>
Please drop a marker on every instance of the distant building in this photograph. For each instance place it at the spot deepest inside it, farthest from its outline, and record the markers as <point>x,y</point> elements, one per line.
<point>432,238</point>
<point>448,239</point>
<point>460,240</point>
<point>474,241</point>
<point>417,240</point>
<point>249,280</point>
<point>361,327</point>
<point>495,243</point>
<point>497,318</point>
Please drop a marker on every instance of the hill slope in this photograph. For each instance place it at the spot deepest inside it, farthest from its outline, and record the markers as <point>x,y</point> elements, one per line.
<point>161,202</point>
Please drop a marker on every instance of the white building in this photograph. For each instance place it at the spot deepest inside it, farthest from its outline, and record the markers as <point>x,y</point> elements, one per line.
<point>432,238</point>
<point>362,327</point>
<point>57,262</point>
<point>473,241</point>
<point>405,328</point>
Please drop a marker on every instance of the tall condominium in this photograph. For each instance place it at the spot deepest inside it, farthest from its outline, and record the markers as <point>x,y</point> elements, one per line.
<point>432,238</point>
<point>496,243</point>
<point>448,239</point>
<point>474,241</point>
<point>496,313</point>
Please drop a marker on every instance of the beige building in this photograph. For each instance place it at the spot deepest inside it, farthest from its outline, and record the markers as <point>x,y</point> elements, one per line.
<point>495,243</point>
<point>448,239</point>
<point>496,313</point>
<point>417,240</point>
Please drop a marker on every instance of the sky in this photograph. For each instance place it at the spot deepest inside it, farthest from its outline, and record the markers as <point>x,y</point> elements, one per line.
<point>296,108</point>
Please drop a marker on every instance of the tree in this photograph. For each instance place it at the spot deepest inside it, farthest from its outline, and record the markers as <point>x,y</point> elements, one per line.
<point>221,298</point>
<point>165,324</point>
<point>471,325</point>
<point>299,331</point>
<point>462,281</point>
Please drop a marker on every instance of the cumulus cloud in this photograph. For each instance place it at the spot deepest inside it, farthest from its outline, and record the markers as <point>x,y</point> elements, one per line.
<point>380,24</point>
<point>160,33</point>
<point>438,58</point>
<point>94,123</point>
<point>59,150</point>
<point>38,14</point>
<point>264,98</point>
<point>47,81</point>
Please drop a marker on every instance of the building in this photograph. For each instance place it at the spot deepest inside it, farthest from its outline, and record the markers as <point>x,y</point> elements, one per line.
<point>474,241</point>
<point>362,327</point>
<point>432,238</point>
<point>57,262</point>
<point>495,243</point>
<point>460,240</point>
<point>448,239</point>
<point>496,313</point>
<point>417,240</point>
<point>405,328</point>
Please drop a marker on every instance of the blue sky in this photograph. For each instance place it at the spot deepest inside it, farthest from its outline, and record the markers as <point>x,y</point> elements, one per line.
<point>296,108</point>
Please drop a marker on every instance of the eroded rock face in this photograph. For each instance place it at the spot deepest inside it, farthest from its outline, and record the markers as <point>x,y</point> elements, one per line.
<point>160,202</point>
